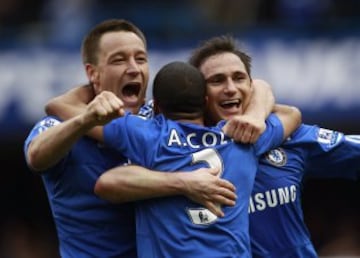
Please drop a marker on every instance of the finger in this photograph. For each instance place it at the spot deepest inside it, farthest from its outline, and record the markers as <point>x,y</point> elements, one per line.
<point>225,128</point>
<point>229,128</point>
<point>246,136</point>
<point>110,101</point>
<point>117,103</point>
<point>214,208</point>
<point>117,106</point>
<point>254,136</point>
<point>121,112</point>
<point>104,105</point>
<point>226,194</point>
<point>223,183</point>
<point>113,106</point>
<point>238,133</point>
<point>223,200</point>
<point>101,112</point>
<point>213,171</point>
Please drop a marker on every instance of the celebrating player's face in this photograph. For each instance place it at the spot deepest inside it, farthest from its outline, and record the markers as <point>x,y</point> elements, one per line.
<point>123,67</point>
<point>228,85</point>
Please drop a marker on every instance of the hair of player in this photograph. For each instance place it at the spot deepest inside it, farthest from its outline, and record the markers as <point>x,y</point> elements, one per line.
<point>179,91</point>
<point>90,44</point>
<point>218,45</point>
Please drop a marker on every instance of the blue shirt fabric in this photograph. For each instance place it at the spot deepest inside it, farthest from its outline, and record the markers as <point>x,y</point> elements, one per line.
<point>277,225</point>
<point>175,226</point>
<point>87,226</point>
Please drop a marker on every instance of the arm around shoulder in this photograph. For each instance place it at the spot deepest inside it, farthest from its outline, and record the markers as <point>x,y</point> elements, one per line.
<point>71,103</point>
<point>290,117</point>
<point>262,101</point>
<point>132,183</point>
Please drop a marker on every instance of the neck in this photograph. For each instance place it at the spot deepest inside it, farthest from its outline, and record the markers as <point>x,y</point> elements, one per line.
<point>198,121</point>
<point>133,110</point>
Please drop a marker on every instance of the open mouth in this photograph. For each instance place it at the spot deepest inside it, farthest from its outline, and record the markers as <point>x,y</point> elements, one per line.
<point>131,90</point>
<point>228,104</point>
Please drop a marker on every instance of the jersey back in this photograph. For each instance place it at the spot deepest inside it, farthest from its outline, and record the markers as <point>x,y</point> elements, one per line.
<point>175,226</point>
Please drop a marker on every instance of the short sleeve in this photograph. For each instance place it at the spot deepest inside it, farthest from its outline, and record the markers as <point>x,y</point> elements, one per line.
<point>272,137</point>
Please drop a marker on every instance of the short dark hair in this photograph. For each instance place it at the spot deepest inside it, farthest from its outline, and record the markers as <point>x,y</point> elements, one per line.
<point>179,89</point>
<point>90,44</point>
<point>218,45</point>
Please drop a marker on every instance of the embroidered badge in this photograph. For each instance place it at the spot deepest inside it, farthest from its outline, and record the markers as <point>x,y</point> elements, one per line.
<point>49,122</point>
<point>276,157</point>
<point>201,216</point>
<point>329,137</point>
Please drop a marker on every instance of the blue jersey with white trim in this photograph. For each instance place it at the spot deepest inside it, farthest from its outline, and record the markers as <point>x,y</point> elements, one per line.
<point>175,226</point>
<point>87,226</point>
<point>277,227</point>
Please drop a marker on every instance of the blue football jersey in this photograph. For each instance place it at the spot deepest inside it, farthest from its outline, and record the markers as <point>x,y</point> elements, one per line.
<point>277,227</point>
<point>175,226</point>
<point>87,226</point>
<point>147,110</point>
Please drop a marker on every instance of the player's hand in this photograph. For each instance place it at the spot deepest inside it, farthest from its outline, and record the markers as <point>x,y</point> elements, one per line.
<point>244,128</point>
<point>104,107</point>
<point>206,188</point>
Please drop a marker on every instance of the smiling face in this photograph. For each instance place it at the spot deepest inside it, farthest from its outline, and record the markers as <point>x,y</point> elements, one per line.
<point>228,85</point>
<point>122,68</point>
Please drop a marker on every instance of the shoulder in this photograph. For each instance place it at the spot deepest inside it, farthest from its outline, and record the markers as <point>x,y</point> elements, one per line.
<point>49,121</point>
<point>313,133</point>
<point>44,124</point>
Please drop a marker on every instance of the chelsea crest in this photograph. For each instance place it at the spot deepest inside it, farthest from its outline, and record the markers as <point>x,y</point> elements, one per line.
<point>276,157</point>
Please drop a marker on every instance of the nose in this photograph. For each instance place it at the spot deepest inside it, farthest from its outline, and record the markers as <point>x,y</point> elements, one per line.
<point>133,67</point>
<point>230,86</point>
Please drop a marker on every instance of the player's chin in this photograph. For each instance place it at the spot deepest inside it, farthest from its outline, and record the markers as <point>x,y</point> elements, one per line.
<point>225,115</point>
<point>131,100</point>
<point>133,104</point>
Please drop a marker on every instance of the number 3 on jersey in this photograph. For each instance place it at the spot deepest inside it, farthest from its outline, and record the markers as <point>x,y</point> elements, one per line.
<point>202,216</point>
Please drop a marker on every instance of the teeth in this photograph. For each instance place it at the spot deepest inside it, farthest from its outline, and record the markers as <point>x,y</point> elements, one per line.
<point>227,102</point>
<point>133,84</point>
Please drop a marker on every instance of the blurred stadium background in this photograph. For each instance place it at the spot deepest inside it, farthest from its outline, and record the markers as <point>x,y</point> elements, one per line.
<point>308,50</point>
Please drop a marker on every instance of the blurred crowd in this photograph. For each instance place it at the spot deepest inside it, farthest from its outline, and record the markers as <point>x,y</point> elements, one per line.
<point>64,22</point>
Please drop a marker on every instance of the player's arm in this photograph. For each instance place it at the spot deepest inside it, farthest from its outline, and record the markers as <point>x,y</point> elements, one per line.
<point>289,116</point>
<point>131,183</point>
<point>330,154</point>
<point>46,149</point>
<point>250,125</point>
<point>261,104</point>
<point>71,103</point>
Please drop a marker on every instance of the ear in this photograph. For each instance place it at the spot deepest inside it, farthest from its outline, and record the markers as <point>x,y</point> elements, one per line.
<point>93,76</point>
